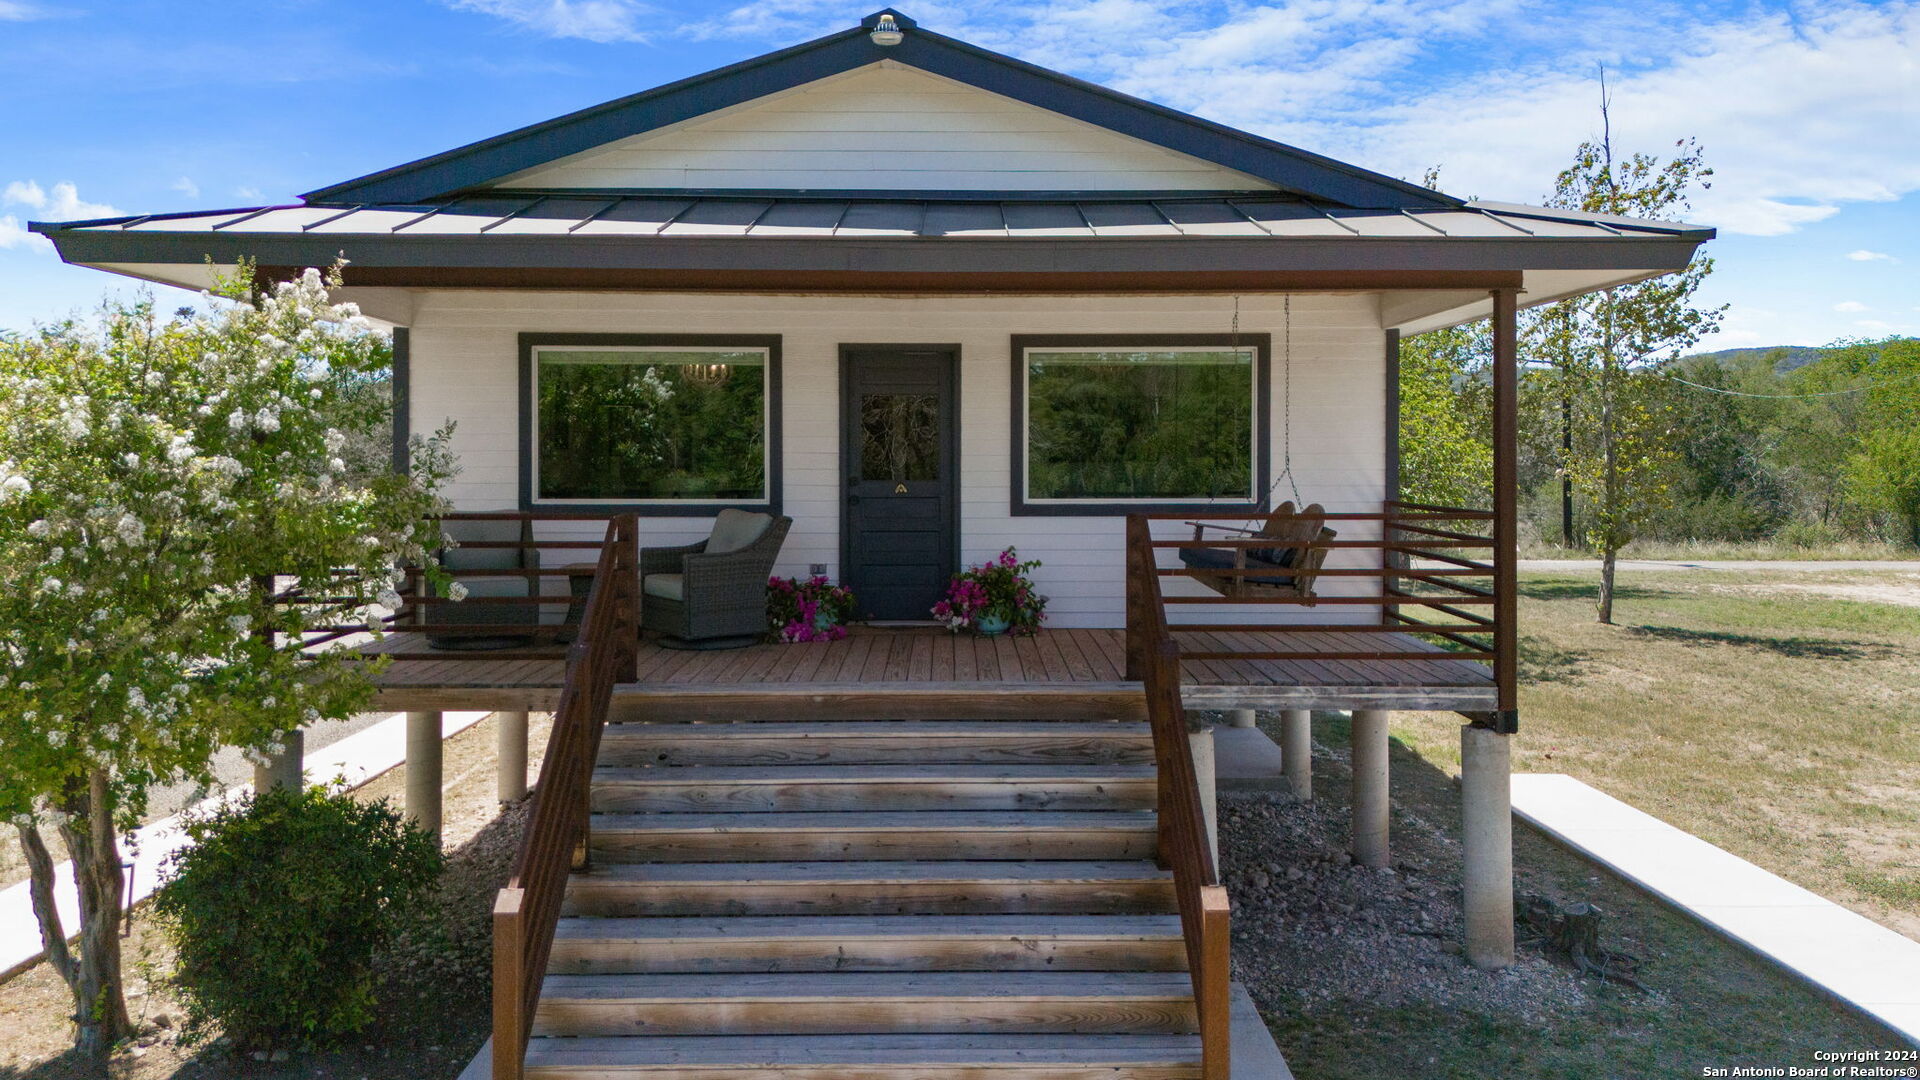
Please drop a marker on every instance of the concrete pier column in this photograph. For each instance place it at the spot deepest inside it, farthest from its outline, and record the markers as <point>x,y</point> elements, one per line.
<point>1201,740</point>
<point>1241,718</point>
<point>511,752</point>
<point>1486,813</point>
<point>424,770</point>
<point>283,770</point>
<point>1296,751</point>
<point>1370,787</point>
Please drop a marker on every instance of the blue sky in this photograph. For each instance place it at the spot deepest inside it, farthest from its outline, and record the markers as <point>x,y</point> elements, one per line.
<point>1810,113</point>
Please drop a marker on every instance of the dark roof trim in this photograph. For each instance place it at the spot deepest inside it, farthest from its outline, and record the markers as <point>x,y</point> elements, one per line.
<point>880,256</point>
<point>484,162</point>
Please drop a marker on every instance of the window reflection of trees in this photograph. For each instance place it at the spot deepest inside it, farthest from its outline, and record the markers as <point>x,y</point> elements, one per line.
<point>650,429</point>
<point>1126,425</point>
<point>900,437</point>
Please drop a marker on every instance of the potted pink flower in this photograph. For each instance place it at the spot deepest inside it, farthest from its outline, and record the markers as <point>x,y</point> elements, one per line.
<point>810,610</point>
<point>993,598</point>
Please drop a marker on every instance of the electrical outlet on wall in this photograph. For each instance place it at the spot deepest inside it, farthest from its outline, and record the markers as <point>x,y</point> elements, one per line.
<point>818,569</point>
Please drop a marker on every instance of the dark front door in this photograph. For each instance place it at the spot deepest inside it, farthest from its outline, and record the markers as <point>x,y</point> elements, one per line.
<point>897,446</point>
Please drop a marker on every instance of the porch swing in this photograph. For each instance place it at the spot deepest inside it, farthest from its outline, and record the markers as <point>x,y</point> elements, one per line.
<point>1300,536</point>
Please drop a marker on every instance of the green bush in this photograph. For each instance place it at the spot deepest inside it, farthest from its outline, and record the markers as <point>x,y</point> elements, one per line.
<point>279,908</point>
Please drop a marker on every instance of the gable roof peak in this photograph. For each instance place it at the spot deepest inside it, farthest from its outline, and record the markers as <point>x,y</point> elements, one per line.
<point>478,166</point>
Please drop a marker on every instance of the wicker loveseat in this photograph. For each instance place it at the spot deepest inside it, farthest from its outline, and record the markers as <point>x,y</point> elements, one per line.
<point>713,594</point>
<point>456,559</point>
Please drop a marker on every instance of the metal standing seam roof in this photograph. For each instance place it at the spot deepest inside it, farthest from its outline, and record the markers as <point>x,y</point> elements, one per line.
<point>641,216</point>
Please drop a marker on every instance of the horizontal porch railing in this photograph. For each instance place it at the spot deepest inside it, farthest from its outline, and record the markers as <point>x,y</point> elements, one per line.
<point>329,619</point>
<point>1433,577</point>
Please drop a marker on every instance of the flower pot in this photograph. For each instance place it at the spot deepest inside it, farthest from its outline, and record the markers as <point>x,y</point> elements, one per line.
<point>823,621</point>
<point>991,624</point>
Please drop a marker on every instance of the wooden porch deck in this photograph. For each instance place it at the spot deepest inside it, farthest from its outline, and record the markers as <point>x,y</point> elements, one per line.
<point>930,657</point>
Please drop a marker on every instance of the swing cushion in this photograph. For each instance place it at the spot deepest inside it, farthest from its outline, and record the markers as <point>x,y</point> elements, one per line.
<point>1222,559</point>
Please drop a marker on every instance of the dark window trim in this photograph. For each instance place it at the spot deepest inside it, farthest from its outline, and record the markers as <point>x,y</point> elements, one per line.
<point>1262,345</point>
<point>775,450</point>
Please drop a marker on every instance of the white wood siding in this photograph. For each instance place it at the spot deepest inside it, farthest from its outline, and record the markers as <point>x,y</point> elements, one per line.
<point>465,358</point>
<point>885,126</point>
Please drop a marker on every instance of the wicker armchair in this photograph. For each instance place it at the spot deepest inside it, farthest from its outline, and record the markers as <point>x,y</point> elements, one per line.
<point>455,559</point>
<point>713,594</point>
<point>1276,571</point>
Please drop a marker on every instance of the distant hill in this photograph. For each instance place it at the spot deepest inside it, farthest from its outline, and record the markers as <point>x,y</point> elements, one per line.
<point>1785,357</point>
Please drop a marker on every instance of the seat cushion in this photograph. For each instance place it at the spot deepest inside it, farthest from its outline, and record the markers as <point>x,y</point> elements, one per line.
<point>1222,559</point>
<point>462,558</point>
<point>664,586</point>
<point>735,529</point>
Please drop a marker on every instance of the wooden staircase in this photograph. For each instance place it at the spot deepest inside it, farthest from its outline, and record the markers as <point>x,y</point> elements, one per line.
<point>784,893</point>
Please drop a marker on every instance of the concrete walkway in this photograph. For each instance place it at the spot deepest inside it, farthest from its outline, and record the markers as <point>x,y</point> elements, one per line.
<point>1786,565</point>
<point>357,758</point>
<point>1849,956</point>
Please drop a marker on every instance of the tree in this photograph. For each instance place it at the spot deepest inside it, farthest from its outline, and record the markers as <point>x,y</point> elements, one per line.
<point>1884,472</point>
<point>1608,344</point>
<point>1446,418</point>
<point>155,475</point>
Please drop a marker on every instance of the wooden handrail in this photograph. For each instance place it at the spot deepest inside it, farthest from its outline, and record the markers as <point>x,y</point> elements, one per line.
<point>1184,843</point>
<point>554,843</point>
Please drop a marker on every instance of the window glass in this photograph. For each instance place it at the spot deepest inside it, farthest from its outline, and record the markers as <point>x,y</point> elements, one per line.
<point>651,424</point>
<point>1147,424</point>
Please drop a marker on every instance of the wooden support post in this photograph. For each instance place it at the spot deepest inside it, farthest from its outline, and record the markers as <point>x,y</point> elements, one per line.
<point>424,770</point>
<point>1506,507</point>
<point>285,769</point>
<point>511,751</point>
<point>1486,819</point>
<point>1370,788</point>
<point>1296,751</point>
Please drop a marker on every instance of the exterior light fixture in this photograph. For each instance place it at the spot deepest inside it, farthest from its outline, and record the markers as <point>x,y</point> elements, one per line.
<point>886,31</point>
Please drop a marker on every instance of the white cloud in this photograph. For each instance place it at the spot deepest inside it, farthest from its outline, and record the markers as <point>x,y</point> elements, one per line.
<point>1863,255</point>
<point>60,203</point>
<point>186,186</point>
<point>1793,107</point>
<point>248,193</point>
<point>594,20</point>
<point>1851,306</point>
<point>19,11</point>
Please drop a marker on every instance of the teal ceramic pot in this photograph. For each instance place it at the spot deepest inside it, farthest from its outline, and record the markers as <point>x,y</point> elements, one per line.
<point>823,621</point>
<point>991,624</point>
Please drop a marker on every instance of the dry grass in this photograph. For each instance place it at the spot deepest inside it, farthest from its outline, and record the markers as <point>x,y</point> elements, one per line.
<point>1769,550</point>
<point>1779,725</point>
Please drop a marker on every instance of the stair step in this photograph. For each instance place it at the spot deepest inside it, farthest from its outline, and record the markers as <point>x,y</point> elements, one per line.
<point>1047,834</point>
<point>875,888</point>
<point>867,1003</point>
<point>761,788</point>
<point>865,701</point>
<point>869,943</point>
<point>878,742</point>
<point>873,1057</point>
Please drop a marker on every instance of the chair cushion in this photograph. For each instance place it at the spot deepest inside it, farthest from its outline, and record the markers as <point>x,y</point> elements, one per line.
<point>459,532</point>
<point>464,614</point>
<point>735,529</point>
<point>664,586</point>
<point>1222,559</point>
<point>1285,524</point>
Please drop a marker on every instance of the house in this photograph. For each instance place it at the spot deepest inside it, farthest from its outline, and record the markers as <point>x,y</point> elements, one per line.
<point>930,302</point>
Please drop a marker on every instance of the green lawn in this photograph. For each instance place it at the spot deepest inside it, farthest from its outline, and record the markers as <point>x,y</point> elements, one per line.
<point>1777,723</point>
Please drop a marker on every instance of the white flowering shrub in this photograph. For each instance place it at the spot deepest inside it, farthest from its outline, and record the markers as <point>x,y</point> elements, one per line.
<point>153,472</point>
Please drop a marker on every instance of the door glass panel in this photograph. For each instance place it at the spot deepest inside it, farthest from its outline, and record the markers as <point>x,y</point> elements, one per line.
<point>900,437</point>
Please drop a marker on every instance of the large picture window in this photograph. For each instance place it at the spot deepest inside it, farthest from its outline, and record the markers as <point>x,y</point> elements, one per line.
<point>668,425</point>
<point>1110,423</point>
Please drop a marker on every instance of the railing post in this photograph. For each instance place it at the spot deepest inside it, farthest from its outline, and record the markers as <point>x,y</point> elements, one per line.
<point>1213,989</point>
<point>510,1022</point>
<point>1138,564</point>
